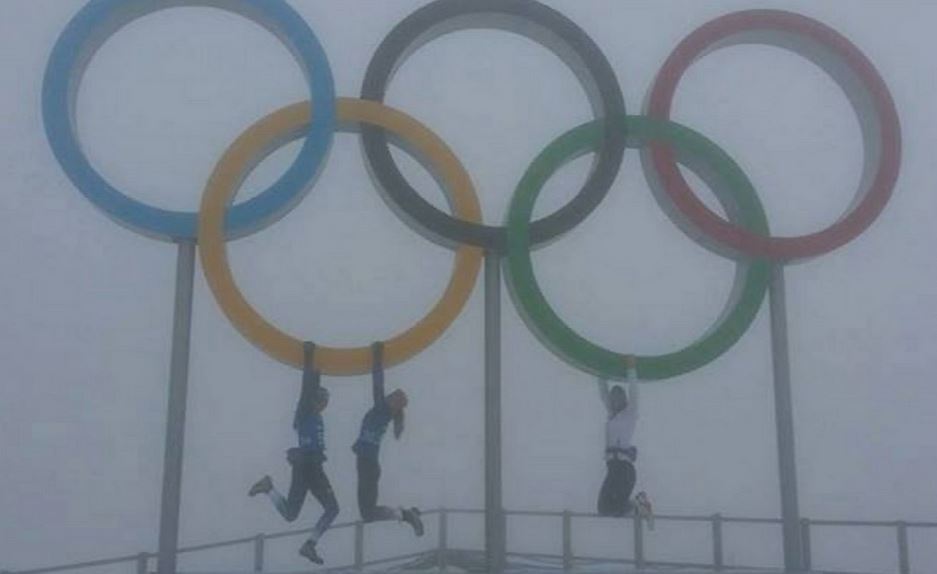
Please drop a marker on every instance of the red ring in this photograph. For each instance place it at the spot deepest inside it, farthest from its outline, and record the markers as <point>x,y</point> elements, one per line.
<point>739,240</point>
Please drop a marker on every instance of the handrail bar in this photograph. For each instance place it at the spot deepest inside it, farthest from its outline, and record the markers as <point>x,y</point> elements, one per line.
<point>81,565</point>
<point>880,523</point>
<point>213,545</point>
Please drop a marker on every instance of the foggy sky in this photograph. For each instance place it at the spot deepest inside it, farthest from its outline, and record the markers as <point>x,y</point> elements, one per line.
<point>87,305</point>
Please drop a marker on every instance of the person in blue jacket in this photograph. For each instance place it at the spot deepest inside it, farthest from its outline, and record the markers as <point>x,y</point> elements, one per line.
<point>306,460</point>
<point>386,409</point>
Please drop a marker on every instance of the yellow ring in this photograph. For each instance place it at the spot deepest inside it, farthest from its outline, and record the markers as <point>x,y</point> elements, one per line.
<point>270,133</point>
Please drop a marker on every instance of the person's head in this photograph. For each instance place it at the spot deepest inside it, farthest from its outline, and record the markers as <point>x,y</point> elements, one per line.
<point>320,400</point>
<point>311,402</point>
<point>397,402</point>
<point>618,399</point>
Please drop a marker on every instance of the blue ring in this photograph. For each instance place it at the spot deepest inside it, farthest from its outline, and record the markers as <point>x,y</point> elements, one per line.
<point>100,19</point>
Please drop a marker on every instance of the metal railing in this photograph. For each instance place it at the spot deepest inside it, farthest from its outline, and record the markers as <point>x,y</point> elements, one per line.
<point>141,561</point>
<point>716,521</point>
<point>441,556</point>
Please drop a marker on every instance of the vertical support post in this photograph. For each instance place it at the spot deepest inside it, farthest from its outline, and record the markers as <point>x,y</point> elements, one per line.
<point>359,546</point>
<point>259,553</point>
<point>495,535</point>
<point>638,541</point>
<point>784,419</point>
<point>142,562</point>
<point>442,558</point>
<point>175,418</point>
<point>904,558</point>
<point>717,542</point>
<point>567,541</point>
<point>805,541</point>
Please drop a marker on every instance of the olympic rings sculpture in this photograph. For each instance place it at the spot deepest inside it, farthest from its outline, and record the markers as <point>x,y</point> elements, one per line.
<point>662,144</point>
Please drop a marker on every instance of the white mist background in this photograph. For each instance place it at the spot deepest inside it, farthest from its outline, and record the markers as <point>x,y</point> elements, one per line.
<point>86,306</point>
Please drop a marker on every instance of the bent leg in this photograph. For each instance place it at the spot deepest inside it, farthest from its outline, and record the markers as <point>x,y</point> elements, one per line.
<point>606,504</point>
<point>616,490</point>
<point>290,506</point>
<point>629,477</point>
<point>322,490</point>
<point>369,476</point>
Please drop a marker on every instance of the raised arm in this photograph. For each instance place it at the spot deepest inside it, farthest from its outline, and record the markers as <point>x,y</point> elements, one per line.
<point>603,393</point>
<point>633,397</point>
<point>311,381</point>
<point>633,393</point>
<point>377,373</point>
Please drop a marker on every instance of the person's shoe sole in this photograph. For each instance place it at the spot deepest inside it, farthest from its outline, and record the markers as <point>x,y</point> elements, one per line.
<point>417,523</point>
<point>311,555</point>
<point>262,486</point>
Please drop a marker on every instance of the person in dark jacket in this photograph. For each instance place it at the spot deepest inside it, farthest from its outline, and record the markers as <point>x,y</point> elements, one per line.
<point>306,460</point>
<point>386,409</point>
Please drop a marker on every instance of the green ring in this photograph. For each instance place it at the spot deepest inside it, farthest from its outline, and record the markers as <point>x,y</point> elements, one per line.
<point>727,181</point>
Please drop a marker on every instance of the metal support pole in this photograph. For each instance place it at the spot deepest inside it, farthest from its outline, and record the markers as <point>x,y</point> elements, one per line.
<point>717,542</point>
<point>904,558</point>
<point>638,541</point>
<point>784,419</point>
<point>567,541</point>
<point>442,559</point>
<point>142,563</point>
<point>259,553</point>
<point>359,546</point>
<point>175,418</point>
<point>495,535</point>
<point>805,541</point>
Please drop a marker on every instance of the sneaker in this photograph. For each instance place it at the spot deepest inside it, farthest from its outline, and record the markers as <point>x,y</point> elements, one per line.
<point>262,486</point>
<point>645,509</point>
<point>412,517</point>
<point>308,550</point>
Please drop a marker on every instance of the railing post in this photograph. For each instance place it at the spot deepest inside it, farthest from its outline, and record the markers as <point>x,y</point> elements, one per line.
<point>359,545</point>
<point>142,563</point>
<point>904,559</point>
<point>638,541</point>
<point>567,541</point>
<point>805,543</point>
<point>442,557</point>
<point>717,541</point>
<point>259,553</point>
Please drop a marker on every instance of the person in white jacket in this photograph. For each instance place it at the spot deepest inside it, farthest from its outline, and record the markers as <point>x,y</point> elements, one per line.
<point>620,453</point>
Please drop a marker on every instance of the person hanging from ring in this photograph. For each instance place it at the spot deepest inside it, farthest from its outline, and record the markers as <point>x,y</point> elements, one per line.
<point>620,453</point>
<point>374,425</point>
<point>306,460</point>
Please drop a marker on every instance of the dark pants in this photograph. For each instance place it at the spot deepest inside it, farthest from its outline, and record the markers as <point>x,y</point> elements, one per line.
<point>369,474</point>
<point>310,477</point>
<point>614,498</point>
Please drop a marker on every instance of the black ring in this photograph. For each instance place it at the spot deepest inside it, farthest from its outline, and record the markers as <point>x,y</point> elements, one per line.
<point>538,23</point>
